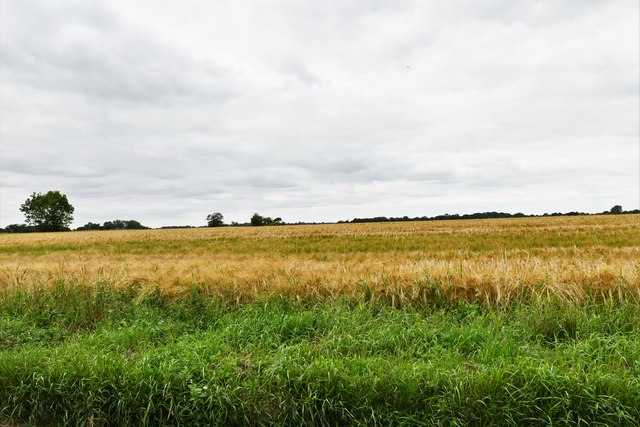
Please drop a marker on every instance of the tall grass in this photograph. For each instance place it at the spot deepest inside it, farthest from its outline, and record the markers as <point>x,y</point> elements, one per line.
<point>96,355</point>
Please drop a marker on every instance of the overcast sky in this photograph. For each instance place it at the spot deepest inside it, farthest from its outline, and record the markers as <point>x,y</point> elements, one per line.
<point>166,111</point>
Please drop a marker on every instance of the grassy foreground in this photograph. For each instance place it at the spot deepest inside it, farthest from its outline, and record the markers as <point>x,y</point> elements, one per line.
<point>97,355</point>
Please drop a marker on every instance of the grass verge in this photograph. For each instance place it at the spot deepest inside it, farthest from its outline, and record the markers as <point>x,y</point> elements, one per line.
<point>97,355</point>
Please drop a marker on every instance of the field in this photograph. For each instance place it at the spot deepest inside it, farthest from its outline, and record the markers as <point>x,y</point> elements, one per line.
<point>528,321</point>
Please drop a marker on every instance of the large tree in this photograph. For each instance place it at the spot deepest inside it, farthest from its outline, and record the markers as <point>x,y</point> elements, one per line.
<point>48,212</point>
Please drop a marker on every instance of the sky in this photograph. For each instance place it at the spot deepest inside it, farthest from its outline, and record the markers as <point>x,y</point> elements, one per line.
<point>323,110</point>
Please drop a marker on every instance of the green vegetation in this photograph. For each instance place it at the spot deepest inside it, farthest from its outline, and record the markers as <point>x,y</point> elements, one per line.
<point>48,212</point>
<point>259,220</point>
<point>116,224</point>
<point>96,355</point>
<point>215,220</point>
<point>616,210</point>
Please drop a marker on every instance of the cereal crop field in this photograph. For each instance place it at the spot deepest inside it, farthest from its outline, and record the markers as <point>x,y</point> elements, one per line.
<point>528,321</point>
<point>493,260</point>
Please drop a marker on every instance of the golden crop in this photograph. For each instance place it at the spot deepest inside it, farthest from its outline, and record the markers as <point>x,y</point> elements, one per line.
<point>492,259</point>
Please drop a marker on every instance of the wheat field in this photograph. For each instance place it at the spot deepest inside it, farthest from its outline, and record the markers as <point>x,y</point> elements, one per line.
<point>488,260</point>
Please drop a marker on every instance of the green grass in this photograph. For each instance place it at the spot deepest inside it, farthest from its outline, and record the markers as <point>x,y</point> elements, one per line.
<point>97,356</point>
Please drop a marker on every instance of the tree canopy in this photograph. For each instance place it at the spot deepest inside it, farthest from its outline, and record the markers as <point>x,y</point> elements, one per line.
<point>215,220</point>
<point>116,224</point>
<point>48,212</point>
<point>258,220</point>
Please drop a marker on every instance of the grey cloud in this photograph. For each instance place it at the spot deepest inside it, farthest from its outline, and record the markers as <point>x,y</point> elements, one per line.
<point>318,111</point>
<point>44,167</point>
<point>105,60</point>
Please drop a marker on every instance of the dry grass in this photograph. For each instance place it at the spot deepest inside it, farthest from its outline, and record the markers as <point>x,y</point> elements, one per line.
<point>495,260</point>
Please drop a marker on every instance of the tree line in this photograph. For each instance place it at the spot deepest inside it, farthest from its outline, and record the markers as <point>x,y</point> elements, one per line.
<point>616,210</point>
<point>52,211</point>
<point>116,224</point>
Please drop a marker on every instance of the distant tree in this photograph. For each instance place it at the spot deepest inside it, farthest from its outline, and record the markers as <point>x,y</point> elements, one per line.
<point>215,220</point>
<point>48,212</point>
<point>90,226</point>
<point>267,220</point>
<point>18,228</point>
<point>617,209</point>
<point>257,220</point>
<point>119,224</point>
<point>116,224</point>
<point>134,225</point>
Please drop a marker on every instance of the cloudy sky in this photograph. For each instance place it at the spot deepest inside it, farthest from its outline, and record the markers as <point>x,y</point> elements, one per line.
<point>166,111</point>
